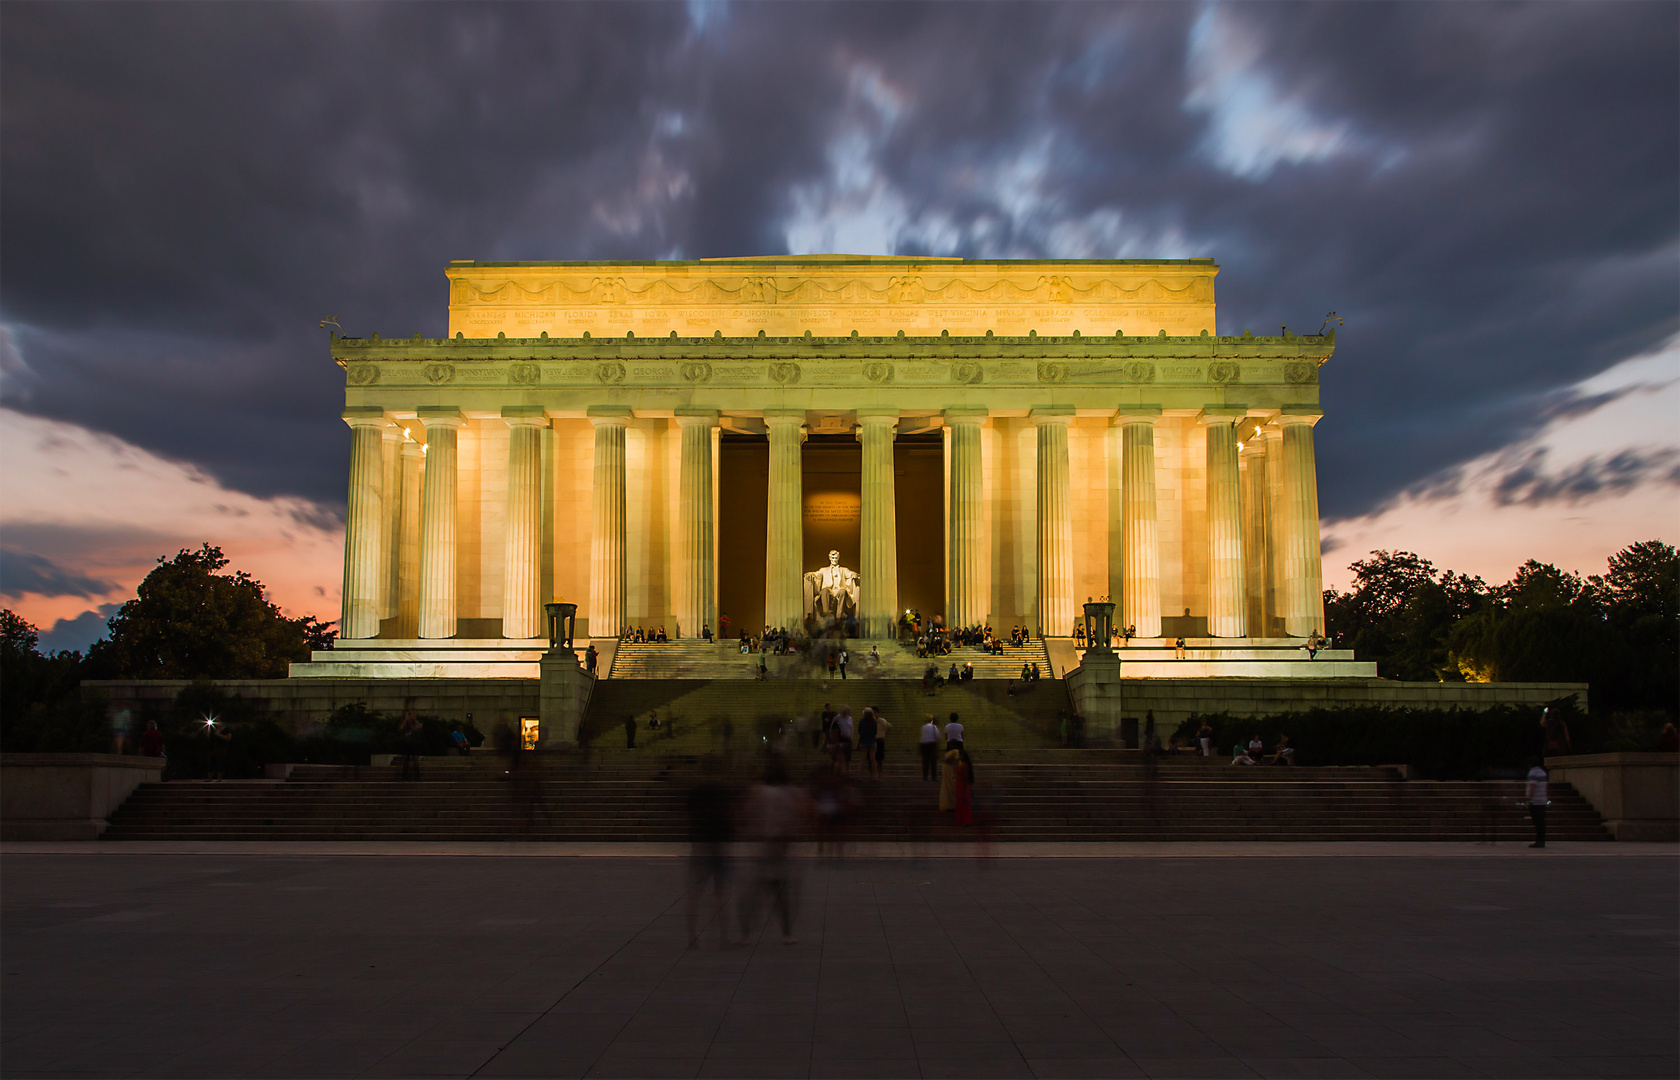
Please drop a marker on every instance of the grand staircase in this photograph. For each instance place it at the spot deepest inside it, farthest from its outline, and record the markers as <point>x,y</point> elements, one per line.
<point>1021,795</point>
<point>994,714</point>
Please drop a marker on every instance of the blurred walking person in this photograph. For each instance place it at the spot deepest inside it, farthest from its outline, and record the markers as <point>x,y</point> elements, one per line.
<point>711,828</point>
<point>408,737</point>
<point>776,812</point>
<point>948,779</point>
<point>962,789</point>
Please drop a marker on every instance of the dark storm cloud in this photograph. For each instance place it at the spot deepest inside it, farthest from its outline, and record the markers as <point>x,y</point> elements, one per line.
<point>1486,193</point>
<point>1529,484</point>
<point>23,572</point>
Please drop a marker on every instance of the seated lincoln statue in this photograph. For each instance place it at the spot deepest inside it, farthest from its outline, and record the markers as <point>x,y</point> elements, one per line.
<point>832,592</point>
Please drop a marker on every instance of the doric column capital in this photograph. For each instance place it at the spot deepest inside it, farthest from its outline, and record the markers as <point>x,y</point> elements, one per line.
<point>1255,445</point>
<point>365,416</point>
<point>524,416</point>
<point>784,417</point>
<point>1052,414</point>
<point>958,417</point>
<point>444,416</point>
<point>877,417</point>
<point>609,415</point>
<point>412,449</point>
<point>1299,414</point>
<point>1137,414</point>
<point>697,418</point>
<point>1221,414</point>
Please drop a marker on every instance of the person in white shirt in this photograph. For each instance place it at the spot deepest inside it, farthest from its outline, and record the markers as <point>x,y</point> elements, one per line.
<point>953,734</point>
<point>929,747</point>
<point>1537,801</point>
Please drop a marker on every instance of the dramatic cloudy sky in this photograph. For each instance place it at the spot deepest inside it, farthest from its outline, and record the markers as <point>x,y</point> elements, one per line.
<point>1486,193</point>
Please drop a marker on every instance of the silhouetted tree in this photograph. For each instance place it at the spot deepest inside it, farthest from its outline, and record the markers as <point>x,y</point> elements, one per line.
<point>188,621</point>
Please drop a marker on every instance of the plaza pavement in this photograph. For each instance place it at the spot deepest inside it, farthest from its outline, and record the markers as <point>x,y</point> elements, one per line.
<point>1172,960</point>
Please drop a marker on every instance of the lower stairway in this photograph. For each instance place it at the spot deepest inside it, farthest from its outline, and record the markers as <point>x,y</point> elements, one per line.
<point>994,714</point>
<point>1020,795</point>
<point>691,659</point>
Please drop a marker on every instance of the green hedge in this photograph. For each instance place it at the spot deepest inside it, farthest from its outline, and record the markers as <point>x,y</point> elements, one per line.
<point>349,736</point>
<point>1438,743</point>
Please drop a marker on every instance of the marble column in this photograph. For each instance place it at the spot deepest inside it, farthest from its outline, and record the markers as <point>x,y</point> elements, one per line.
<point>1276,529</point>
<point>1303,579</point>
<point>1140,552</point>
<point>607,537</point>
<point>390,513</point>
<point>878,527</point>
<point>1255,496</point>
<point>412,463</point>
<point>522,566</point>
<point>966,604</point>
<point>784,529</point>
<point>1055,523</point>
<point>437,524</point>
<point>1227,596</point>
<point>364,524</point>
<point>694,523</point>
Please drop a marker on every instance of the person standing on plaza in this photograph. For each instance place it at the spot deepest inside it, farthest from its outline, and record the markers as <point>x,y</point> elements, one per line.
<point>1556,742</point>
<point>122,728</point>
<point>821,737</point>
<point>929,748</point>
<point>151,740</point>
<point>867,730</point>
<point>954,734</point>
<point>1204,736</point>
<point>1538,799</point>
<point>591,660</point>
<point>845,658</point>
<point>883,725</point>
<point>221,741</point>
<point>408,737</point>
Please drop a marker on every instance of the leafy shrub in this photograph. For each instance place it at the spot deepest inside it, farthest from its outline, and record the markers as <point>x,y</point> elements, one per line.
<point>1440,744</point>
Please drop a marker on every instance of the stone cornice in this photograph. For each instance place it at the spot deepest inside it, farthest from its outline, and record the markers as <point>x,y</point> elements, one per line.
<point>783,363</point>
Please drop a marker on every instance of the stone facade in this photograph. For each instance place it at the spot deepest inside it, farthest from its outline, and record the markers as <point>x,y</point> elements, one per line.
<point>1101,438</point>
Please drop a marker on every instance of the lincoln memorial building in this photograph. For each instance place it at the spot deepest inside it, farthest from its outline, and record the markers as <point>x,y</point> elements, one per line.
<point>665,443</point>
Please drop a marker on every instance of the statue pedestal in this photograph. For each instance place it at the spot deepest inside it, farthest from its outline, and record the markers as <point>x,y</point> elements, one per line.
<point>563,695</point>
<point>1095,689</point>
